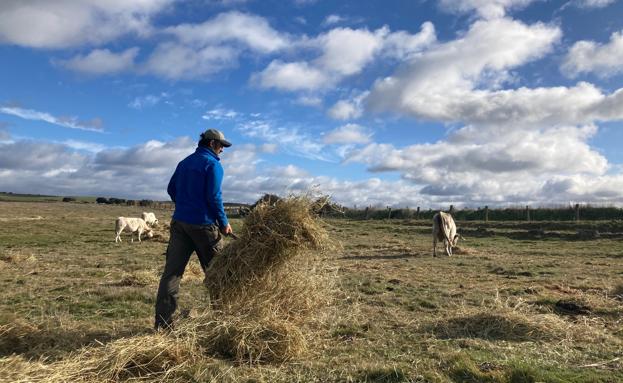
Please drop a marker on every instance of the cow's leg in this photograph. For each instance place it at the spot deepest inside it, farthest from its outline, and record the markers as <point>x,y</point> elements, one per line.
<point>434,246</point>
<point>118,232</point>
<point>140,231</point>
<point>448,248</point>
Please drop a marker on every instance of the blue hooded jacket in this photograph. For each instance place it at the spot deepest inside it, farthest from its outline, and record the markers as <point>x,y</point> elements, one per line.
<point>195,187</point>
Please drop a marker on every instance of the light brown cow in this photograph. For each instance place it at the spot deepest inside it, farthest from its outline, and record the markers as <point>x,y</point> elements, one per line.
<point>444,230</point>
<point>132,225</point>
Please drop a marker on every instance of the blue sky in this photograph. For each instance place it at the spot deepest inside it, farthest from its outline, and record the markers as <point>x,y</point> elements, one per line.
<point>399,103</point>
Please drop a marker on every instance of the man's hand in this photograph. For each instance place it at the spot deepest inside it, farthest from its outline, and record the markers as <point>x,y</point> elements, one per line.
<point>226,230</point>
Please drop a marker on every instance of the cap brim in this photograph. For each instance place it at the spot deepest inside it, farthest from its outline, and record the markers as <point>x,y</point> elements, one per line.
<point>225,143</point>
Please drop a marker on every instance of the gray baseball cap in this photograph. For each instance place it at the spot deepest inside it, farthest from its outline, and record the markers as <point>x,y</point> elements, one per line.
<point>213,134</point>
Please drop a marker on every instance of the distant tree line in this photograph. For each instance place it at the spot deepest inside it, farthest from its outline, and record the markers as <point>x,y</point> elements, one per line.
<point>132,202</point>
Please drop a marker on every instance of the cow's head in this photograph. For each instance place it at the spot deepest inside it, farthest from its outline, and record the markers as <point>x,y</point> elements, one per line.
<point>455,240</point>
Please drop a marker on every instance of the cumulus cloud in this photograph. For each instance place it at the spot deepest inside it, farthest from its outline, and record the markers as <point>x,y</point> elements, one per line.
<point>449,81</point>
<point>478,164</point>
<point>61,24</point>
<point>523,170</point>
<point>590,57</point>
<point>292,76</point>
<point>252,31</point>
<point>485,8</point>
<point>348,109</point>
<point>94,125</point>
<point>342,52</point>
<point>348,134</point>
<point>200,50</point>
<point>102,61</point>
<point>176,61</point>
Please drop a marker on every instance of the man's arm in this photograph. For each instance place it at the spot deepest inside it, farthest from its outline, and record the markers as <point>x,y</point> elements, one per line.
<point>171,189</point>
<point>214,197</point>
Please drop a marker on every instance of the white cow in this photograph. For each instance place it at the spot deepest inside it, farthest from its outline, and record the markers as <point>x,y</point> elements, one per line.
<point>132,225</point>
<point>150,218</point>
<point>444,230</point>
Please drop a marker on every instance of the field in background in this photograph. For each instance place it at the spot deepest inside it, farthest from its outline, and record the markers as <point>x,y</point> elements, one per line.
<point>519,302</point>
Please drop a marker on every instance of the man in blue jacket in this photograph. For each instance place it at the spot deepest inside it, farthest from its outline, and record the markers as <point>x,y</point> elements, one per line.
<point>198,221</point>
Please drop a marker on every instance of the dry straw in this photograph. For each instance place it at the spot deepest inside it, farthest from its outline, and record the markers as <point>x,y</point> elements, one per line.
<point>268,285</point>
<point>268,289</point>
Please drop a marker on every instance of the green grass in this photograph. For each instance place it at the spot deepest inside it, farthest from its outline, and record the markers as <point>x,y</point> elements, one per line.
<point>487,314</point>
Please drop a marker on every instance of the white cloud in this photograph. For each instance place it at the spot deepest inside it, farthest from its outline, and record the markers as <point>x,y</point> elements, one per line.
<point>508,169</point>
<point>292,76</point>
<point>332,19</point>
<point>61,23</point>
<point>348,134</point>
<point>102,61</point>
<point>488,9</point>
<point>252,31</point>
<point>341,52</point>
<point>147,100</point>
<point>200,50</point>
<point>176,61</point>
<point>490,164</point>
<point>592,3</point>
<point>220,114</point>
<point>347,51</point>
<point>446,82</point>
<point>36,156</point>
<point>403,46</point>
<point>92,147</point>
<point>94,125</point>
<point>348,109</point>
<point>602,59</point>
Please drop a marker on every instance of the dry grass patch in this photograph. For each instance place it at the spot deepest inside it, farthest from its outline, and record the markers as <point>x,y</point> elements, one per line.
<point>138,278</point>
<point>13,257</point>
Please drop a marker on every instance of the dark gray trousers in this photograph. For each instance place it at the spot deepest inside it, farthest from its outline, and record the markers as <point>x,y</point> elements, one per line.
<point>184,239</point>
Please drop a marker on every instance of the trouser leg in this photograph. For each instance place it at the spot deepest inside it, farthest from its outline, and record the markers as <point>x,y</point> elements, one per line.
<point>207,241</point>
<point>178,253</point>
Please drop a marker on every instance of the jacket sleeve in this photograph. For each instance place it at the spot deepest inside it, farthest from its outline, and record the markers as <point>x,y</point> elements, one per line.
<point>214,197</point>
<point>171,189</point>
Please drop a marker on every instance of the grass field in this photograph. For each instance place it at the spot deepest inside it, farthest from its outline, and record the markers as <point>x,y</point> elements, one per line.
<point>518,302</point>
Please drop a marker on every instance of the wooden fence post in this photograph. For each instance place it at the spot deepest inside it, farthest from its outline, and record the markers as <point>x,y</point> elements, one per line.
<point>527,213</point>
<point>367,211</point>
<point>389,212</point>
<point>417,213</point>
<point>577,212</point>
<point>486,213</point>
<point>451,211</point>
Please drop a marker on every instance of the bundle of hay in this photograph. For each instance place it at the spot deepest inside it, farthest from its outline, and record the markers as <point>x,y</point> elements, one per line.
<point>272,238</point>
<point>268,285</point>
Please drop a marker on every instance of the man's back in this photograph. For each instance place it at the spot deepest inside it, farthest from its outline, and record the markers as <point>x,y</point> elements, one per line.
<point>195,187</point>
